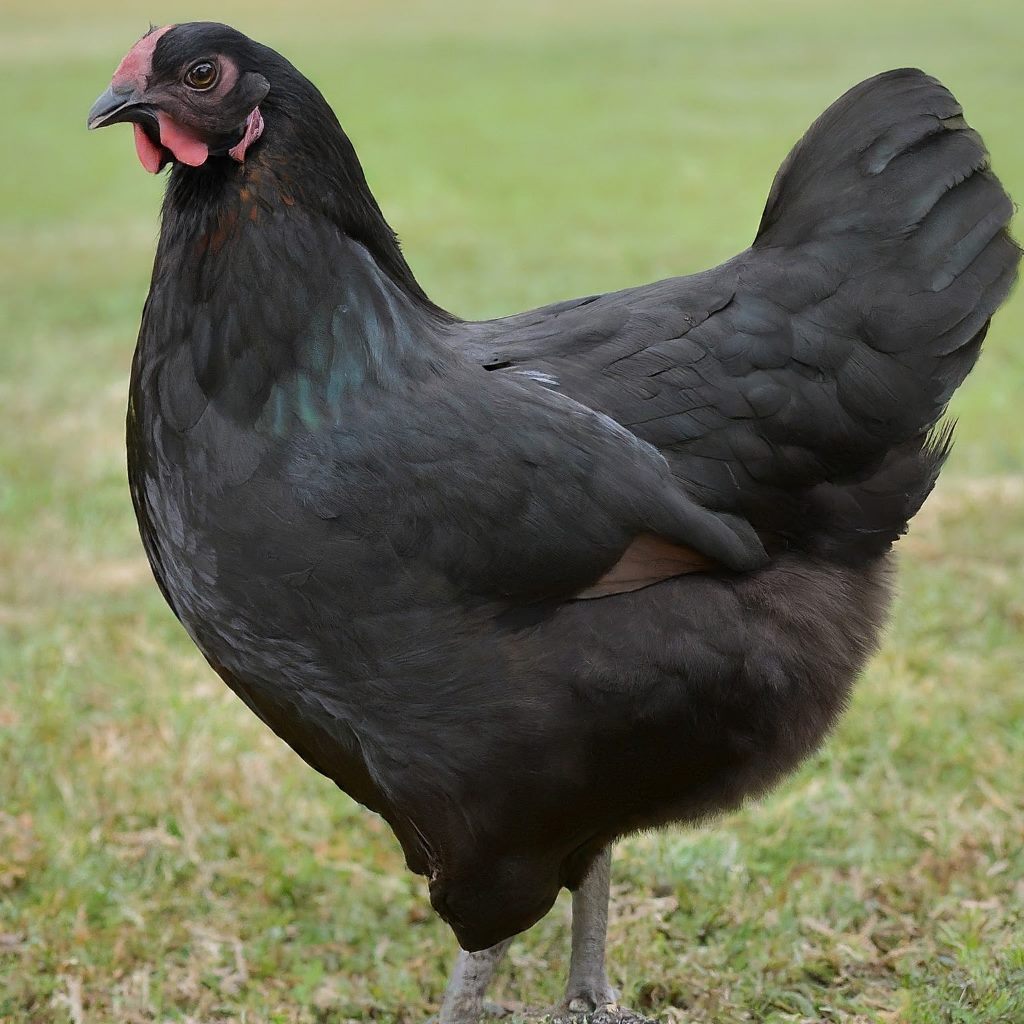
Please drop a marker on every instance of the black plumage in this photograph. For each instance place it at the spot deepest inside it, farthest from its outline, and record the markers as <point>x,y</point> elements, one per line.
<point>379,522</point>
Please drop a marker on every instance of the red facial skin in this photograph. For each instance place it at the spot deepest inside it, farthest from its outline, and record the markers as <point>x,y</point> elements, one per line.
<point>182,142</point>
<point>134,70</point>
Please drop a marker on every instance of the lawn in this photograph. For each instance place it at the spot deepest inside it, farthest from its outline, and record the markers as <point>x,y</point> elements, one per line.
<point>164,858</point>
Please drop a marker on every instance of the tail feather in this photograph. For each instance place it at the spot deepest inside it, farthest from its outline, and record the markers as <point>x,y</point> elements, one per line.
<point>858,521</point>
<point>876,161</point>
<point>893,186</point>
<point>893,172</point>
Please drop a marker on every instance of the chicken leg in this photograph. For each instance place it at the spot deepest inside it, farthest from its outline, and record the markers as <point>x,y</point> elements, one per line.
<point>588,989</point>
<point>464,997</point>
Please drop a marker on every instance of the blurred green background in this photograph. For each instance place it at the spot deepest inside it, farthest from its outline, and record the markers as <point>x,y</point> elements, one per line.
<point>164,857</point>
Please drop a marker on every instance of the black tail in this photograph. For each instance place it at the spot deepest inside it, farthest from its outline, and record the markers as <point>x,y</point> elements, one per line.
<point>893,187</point>
<point>892,183</point>
<point>859,520</point>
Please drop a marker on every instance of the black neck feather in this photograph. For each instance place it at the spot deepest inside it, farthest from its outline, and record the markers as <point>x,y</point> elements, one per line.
<point>303,154</point>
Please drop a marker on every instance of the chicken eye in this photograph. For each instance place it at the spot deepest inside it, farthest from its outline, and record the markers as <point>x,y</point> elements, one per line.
<point>202,75</point>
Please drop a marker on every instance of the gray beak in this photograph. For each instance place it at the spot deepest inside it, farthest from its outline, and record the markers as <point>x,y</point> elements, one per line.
<point>114,107</point>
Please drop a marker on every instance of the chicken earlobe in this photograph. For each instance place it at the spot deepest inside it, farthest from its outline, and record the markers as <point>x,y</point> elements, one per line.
<point>648,560</point>
<point>253,130</point>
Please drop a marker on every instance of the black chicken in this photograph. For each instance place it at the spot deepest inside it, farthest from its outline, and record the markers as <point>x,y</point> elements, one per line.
<point>526,585</point>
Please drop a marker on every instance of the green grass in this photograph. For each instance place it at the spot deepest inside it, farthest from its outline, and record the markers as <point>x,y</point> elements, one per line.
<point>163,857</point>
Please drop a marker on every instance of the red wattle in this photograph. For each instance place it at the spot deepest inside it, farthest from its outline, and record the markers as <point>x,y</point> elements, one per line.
<point>186,145</point>
<point>150,155</point>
